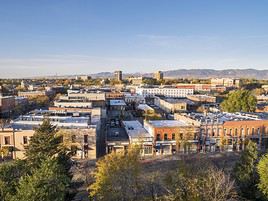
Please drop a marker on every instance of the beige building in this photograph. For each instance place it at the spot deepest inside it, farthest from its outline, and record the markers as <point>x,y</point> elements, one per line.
<point>159,75</point>
<point>227,82</point>
<point>83,142</point>
<point>118,75</point>
<point>172,105</point>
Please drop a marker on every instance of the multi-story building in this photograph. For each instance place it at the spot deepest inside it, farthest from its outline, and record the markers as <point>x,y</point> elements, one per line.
<point>82,129</point>
<point>159,75</point>
<point>202,98</point>
<point>168,92</point>
<point>173,136</point>
<point>30,94</point>
<point>134,98</point>
<point>139,136</point>
<point>73,104</point>
<point>7,105</point>
<point>172,105</point>
<point>228,131</point>
<point>118,75</point>
<point>227,82</point>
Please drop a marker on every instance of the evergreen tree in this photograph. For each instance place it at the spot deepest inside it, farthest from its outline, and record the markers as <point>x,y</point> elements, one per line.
<point>47,183</point>
<point>245,172</point>
<point>262,169</point>
<point>43,144</point>
<point>10,173</point>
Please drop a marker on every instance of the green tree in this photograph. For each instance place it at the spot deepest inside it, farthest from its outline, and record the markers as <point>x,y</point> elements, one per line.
<point>245,171</point>
<point>49,182</point>
<point>10,174</point>
<point>240,100</point>
<point>262,169</point>
<point>43,144</point>
<point>116,177</point>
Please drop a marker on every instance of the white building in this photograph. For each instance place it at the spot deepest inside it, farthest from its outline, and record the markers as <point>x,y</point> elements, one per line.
<point>73,104</point>
<point>134,98</point>
<point>139,135</point>
<point>168,92</point>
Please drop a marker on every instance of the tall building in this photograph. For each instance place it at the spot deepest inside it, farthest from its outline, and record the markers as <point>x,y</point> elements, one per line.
<point>159,75</point>
<point>118,75</point>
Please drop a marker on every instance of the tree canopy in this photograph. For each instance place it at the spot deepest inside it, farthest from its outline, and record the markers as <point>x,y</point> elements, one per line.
<point>239,101</point>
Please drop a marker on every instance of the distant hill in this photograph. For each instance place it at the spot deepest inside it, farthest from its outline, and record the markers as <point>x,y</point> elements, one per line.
<point>209,73</point>
<point>200,73</point>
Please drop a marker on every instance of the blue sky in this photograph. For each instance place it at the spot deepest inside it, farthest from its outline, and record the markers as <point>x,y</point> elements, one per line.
<point>48,37</point>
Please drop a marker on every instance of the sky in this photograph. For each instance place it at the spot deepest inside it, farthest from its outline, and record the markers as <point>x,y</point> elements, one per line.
<point>66,37</point>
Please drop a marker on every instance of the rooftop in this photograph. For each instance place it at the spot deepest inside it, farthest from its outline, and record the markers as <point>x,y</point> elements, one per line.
<point>135,129</point>
<point>168,123</point>
<point>117,103</point>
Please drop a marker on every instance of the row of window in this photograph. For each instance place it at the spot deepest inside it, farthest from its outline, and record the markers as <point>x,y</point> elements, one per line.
<point>235,132</point>
<point>158,137</point>
<point>7,140</point>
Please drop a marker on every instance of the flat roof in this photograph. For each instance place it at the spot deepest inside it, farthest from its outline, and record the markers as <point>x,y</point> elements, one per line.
<point>117,102</point>
<point>144,107</point>
<point>222,117</point>
<point>168,123</point>
<point>135,129</point>
<point>179,100</point>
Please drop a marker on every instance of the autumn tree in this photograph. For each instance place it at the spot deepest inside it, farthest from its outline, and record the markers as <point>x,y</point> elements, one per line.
<point>116,177</point>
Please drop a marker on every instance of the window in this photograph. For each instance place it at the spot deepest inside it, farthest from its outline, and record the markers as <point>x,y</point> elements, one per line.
<point>231,132</point>
<point>242,132</point>
<point>25,140</point>
<point>7,140</point>
<point>259,131</point>
<point>247,131</point>
<point>148,150</point>
<point>252,132</point>
<point>225,130</point>
<point>158,137</point>
<point>173,136</point>
<point>236,132</point>
<point>165,136</point>
<point>85,138</point>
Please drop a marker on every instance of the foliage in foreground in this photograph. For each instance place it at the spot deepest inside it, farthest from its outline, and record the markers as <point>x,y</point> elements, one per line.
<point>43,175</point>
<point>117,177</point>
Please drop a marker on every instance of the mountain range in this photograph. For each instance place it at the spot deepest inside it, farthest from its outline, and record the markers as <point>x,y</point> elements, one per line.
<point>199,73</point>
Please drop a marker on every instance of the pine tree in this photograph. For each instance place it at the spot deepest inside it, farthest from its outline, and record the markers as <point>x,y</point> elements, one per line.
<point>262,169</point>
<point>44,144</point>
<point>245,171</point>
<point>47,183</point>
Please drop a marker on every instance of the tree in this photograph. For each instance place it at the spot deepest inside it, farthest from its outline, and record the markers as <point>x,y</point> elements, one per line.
<point>4,123</point>
<point>262,169</point>
<point>43,144</point>
<point>10,174</point>
<point>240,100</point>
<point>245,172</point>
<point>199,182</point>
<point>49,182</point>
<point>116,177</point>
